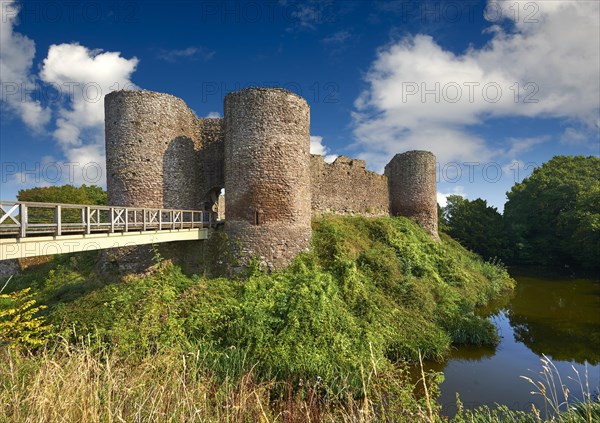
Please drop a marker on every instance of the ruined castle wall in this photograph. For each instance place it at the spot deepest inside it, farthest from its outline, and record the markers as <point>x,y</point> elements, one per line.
<point>212,160</point>
<point>152,160</point>
<point>152,151</point>
<point>347,187</point>
<point>267,173</point>
<point>159,154</point>
<point>412,188</point>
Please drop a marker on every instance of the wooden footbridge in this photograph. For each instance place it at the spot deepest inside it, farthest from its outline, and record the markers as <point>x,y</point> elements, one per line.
<point>38,229</point>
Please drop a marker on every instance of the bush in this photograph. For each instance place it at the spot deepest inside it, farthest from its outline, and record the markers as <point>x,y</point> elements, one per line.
<point>19,323</point>
<point>370,290</point>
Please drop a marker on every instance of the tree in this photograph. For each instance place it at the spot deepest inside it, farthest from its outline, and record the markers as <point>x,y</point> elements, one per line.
<point>65,194</point>
<point>442,223</point>
<point>477,226</point>
<point>553,216</point>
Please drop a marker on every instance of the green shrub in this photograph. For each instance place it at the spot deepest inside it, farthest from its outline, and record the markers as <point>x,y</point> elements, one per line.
<point>19,323</point>
<point>370,290</point>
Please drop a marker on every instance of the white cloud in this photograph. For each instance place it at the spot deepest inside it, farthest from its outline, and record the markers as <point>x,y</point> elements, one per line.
<point>381,140</point>
<point>16,57</point>
<point>338,42</point>
<point>422,96</point>
<point>516,170</point>
<point>84,76</point>
<point>317,147</point>
<point>581,137</point>
<point>442,197</point>
<point>308,15</point>
<point>338,37</point>
<point>213,115</point>
<point>190,53</point>
<point>519,146</point>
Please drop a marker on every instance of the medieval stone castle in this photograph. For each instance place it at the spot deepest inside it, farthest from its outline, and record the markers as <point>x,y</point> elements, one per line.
<point>159,154</point>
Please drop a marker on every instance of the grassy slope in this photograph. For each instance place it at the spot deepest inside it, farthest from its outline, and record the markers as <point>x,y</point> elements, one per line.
<point>370,290</point>
<point>313,342</point>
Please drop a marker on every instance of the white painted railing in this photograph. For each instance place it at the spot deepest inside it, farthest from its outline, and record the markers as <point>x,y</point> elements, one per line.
<point>27,219</point>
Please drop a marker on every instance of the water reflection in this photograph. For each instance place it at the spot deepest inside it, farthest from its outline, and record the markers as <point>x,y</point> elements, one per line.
<point>558,318</point>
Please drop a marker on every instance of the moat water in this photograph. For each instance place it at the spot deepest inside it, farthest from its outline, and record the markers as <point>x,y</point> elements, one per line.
<point>558,318</point>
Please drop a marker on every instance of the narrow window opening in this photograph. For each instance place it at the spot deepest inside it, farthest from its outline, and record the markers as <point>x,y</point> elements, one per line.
<point>256,218</point>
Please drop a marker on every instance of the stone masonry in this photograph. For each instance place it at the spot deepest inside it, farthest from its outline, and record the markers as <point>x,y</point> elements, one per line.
<point>152,151</point>
<point>159,154</point>
<point>267,187</point>
<point>347,187</point>
<point>412,188</point>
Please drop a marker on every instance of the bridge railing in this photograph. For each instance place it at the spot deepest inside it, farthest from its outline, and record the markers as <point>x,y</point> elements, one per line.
<point>25,219</point>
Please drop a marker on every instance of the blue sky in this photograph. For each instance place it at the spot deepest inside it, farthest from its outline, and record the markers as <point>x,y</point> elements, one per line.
<point>493,88</point>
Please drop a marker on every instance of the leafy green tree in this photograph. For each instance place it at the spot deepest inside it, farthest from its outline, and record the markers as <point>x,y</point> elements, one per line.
<point>553,216</point>
<point>477,226</point>
<point>65,194</point>
<point>442,223</point>
<point>584,242</point>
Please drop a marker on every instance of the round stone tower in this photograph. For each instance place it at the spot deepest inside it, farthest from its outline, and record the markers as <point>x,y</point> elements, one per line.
<point>412,188</point>
<point>152,146</point>
<point>267,174</point>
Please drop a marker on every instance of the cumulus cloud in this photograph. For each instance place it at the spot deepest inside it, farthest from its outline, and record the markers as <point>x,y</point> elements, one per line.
<point>84,77</point>
<point>422,96</point>
<point>213,115</point>
<point>16,81</point>
<point>317,147</point>
<point>80,78</point>
<point>442,197</point>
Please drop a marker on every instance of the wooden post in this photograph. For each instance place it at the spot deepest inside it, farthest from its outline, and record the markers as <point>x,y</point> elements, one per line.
<point>112,220</point>
<point>88,213</point>
<point>23,219</point>
<point>58,220</point>
<point>160,220</point>
<point>126,220</point>
<point>145,218</point>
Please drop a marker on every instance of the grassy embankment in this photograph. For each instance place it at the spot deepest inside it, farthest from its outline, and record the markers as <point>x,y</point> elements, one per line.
<point>324,339</point>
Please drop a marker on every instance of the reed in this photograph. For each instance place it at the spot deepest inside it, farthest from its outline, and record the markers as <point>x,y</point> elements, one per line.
<point>559,405</point>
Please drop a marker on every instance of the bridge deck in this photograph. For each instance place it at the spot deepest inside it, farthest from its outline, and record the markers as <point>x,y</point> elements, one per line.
<point>34,229</point>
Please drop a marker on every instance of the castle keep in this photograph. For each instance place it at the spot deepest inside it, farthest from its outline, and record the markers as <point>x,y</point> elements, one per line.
<point>159,154</point>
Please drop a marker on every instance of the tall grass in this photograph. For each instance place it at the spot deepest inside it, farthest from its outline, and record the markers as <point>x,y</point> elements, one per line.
<point>558,401</point>
<point>558,405</point>
<point>88,383</point>
<point>82,383</point>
